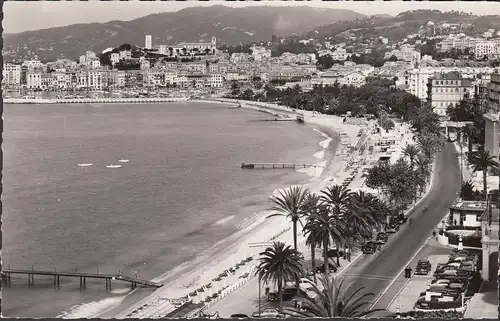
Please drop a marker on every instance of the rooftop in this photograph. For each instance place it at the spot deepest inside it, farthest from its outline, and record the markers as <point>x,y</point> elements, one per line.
<point>459,204</point>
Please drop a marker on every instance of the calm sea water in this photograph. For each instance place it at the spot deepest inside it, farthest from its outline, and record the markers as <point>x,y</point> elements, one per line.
<point>155,212</point>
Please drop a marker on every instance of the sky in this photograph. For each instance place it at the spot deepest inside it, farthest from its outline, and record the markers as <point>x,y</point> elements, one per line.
<point>27,15</point>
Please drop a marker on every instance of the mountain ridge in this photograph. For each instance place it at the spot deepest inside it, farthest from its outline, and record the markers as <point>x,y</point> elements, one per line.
<point>195,24</point>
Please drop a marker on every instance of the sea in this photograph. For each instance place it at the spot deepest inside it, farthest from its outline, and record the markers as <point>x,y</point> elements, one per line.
<point>180,189</point>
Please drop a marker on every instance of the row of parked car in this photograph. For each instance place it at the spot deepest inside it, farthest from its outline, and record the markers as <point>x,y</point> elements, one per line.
<point>454,282</point>
<point>371,246</point>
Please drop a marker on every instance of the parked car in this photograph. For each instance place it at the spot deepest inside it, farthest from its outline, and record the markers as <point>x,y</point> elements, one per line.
<point>423,267</point>
<point>239,316</point>
<point>271,313</point>
<point>321,268</point>
<point>381,238</point>
<point>368,248</point>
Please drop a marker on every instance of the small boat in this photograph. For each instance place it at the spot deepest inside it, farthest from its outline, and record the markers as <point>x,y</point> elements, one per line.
<point>247,166</point>
<point>113,166</point>
<point>85,165</point>
<point>123,160</point>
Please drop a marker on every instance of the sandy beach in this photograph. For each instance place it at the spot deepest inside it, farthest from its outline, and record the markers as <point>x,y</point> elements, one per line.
<point>207,267</point>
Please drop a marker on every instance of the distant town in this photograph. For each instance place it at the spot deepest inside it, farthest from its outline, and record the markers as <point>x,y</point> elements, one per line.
<point>439,63</point>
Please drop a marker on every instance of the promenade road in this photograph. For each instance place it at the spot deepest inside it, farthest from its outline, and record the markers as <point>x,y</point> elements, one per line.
<point>376,272</point>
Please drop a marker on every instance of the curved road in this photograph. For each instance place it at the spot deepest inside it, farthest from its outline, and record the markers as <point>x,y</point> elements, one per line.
<point>375,272</point>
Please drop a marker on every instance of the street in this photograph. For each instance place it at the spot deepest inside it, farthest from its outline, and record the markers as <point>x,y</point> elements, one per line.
<point>380,269</point>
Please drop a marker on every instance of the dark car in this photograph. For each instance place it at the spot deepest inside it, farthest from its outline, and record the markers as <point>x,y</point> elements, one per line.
<point>239,316</point>
<point>382,238</point>
<point>368,248</point>
<point>288,294</point>
<point>321,268</point>
<point>423,267</point>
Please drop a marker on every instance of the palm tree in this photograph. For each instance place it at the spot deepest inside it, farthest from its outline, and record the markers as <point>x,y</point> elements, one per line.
<point>360,218</point>
<point>411,151</point>
<point>293,203</point>
<point>313,239</point>
<point>322,227</point>
<point>279,264</point>
<point>482,161</point>
<point>332,301</point>
<point>467,191</point>
<point>427,144</point>
<point>423,166</point>
<point>338,199</point>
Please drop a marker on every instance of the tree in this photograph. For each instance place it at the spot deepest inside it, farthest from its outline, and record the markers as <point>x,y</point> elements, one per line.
<point>312,231</point>
<point>322,227</point>
<point>410,151</point>
<point>333,301</point>
<point>294,203</point>
<point>360,219</point>
<point>482,161</point>
<point>207,51</point>
<point>125,47</point>
<point>279,264</point>
<point>338,200</point>
<point>467,191</point>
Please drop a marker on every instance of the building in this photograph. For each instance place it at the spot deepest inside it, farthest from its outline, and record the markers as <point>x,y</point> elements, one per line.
<point>489,240</point>
<point>417,79</point>
<point>115,58</point>
<point>490,49</point>
<point>340,54</point>
<point>466,213</point>
<point>446,89</point>
<point>32,64</point>
<point>148,42</point>
<point>215,81</point>
<point>492,116</point>
<point>34,79</point>
<point>11,74</point>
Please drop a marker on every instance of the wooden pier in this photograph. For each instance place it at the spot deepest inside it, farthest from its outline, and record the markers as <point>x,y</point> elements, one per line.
<point>276,165</point>
<point>134,282</point>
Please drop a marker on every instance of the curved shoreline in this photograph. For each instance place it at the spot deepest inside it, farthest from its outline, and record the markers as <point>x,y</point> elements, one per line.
<point>227,250</point>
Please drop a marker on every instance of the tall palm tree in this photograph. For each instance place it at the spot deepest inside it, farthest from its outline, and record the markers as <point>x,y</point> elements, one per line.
<point>333,301</point>
<point>427,145</point>
<point>293,203</point>
<point>481,161</point>
<point>423,166</point>
<point>279,264</point>
<point>313,239</point>
<point>411,151</point>
<point>338,199</point>
<point>360,218</point>
<point>322,227</point>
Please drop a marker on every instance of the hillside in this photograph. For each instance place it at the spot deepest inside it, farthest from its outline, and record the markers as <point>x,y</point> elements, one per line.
<point>409,22</point>
<point>229,25</point>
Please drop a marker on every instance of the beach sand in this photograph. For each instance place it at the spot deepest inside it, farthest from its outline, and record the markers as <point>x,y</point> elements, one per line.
<point>191,275</point>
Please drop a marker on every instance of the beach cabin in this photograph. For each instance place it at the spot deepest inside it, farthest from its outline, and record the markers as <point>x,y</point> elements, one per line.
<point>466,213</point>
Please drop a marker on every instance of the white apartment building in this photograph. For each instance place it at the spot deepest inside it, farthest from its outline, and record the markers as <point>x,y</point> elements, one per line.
<point>115,58</point>
<point>404,55</point>
<point>34,79</point>
<point>216,81</point>
<point>125,54</point>
<point>96,64</point>
<point>416,80</point>
<point>163,50</point>
<point>340,54</point>
<point>32,64</point>
<point>195,67</point>
<point>490,49</point>
<point>457,42</point>
<point>148,42</point>
<point>11,74</point>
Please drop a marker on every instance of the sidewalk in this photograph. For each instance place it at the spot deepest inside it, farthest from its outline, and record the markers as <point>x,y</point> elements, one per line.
<point>417,284</point>
<point>245,299</point>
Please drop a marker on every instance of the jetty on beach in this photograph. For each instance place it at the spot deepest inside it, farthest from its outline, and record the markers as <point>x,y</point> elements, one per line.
<point>134,281</point>
<point>276,165</point>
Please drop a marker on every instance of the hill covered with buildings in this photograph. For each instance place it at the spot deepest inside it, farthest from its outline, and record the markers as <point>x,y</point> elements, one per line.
<point>197,24</point>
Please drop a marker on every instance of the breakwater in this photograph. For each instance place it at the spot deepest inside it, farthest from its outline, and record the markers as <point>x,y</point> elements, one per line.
<point>94,100</point>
